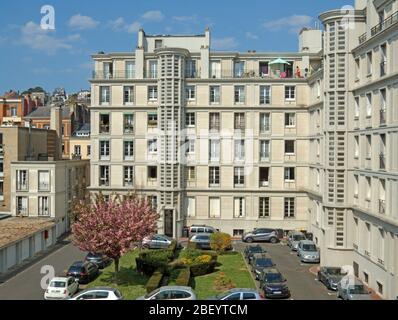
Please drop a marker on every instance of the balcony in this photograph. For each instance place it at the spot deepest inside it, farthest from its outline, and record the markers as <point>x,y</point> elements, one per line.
<point>383,116</point>
<point>380,27</point>
<point>382,206</point>
<point>362,38</point>
<point>382,161</point>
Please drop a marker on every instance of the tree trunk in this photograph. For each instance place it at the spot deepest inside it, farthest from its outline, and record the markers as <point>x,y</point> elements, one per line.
<point>116,265</point>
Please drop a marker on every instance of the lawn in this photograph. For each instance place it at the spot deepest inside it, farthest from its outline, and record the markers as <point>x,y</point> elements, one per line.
<point>130,283</point>
<point>234,268</point>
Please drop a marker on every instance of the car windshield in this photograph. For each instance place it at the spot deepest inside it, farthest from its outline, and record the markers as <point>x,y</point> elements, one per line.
<point>75,268</point>
<point>57,284</point>
<point>334,272</point>
<point>309,247</point>
<point>358,289</point>
<point>263,262</point>
<point>298,237</point>
<point>273,278</point>
<point>148,295</point>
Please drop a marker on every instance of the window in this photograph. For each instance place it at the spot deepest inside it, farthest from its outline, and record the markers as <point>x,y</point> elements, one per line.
<point>152,119</point>
<point>238,232</point>
<point>264,68</point>
<point>104,150</point>
<point>214,150</point>
<point>239,69</point>
<point>289,207</point>
<point>239,176</point>
<point>264,150</point>
<point>158,43</point>
<point>318,88</point>
<point>239,207</point>
<point>265,94</point>
<point>190,146</point>
<point>215,69</point>
<point>128,150</point>
<point>13,111</point>
<point>214,122</point>
<point>264,122</point>
<point>290,92</point>
<point>153,69</point>
<point>263,207</point>
<point>128,123</point>
<point>152,173</point>
<point>215,94</point>
<point>190,93</point>
<point>88,150</point>
<point>108,70</point>
<point>104,176</point>
<point>368,147</point>
<point>153,201</point>
<point>369,61</point>
<point>356,186</point>
<point>368,105</point>
<point>153,145</point>
<point>239,121</point>
<point>44,206</point>
<point>239,150</point>
<point>356,147</point>
<point>44,180</point>
<point>128,95</point>
<point>191,207</point>
<point>22,206</point>
<point>290,119</point>
<point>214,176</point>
<point>128,176</point>
<point>368,188</point>
<point>190,119</point>
<point>357,108</point>
<point>190,69</point>
<point>264,177</point>
<point>214,207</point>
<point>77,150</point>
<point>289,147</point>
<point>152,93</point>
<point>379,288</point>
<point>130,69</point>
<point>105,95</point>
<point>289,174</point>
<point>191,173</point>
<point>104,123</point>
<point>239,94</point>
<point>22,180</point>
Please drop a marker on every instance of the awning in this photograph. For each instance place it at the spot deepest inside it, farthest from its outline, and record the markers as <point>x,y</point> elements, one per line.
<point>279,61</point>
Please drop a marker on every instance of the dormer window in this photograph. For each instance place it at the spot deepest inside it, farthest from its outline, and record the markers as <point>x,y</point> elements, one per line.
<point>158,44</point>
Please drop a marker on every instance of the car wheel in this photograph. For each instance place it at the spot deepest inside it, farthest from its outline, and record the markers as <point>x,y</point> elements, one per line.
<point>273,240</point>
<point>249,240</point>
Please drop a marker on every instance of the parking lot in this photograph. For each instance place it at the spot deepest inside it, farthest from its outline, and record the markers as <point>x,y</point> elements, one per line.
<point>302,283</point>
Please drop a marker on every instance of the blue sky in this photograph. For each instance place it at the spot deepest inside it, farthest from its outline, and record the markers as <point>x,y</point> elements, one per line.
<point>31,56</point>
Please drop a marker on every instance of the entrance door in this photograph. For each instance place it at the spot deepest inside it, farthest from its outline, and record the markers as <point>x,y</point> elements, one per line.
<point>168,223</point>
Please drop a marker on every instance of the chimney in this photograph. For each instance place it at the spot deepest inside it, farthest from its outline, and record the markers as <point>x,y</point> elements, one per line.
<point>56,124</point>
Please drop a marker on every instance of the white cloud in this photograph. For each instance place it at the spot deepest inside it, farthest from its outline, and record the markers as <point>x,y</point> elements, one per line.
<point>42,40</point>
<point>154,15</point>
<point>224,43</point>
<point>121,25</point>
<point>192,18</point>
<point>293,23</point>
<point>252,36</point>
<point>74,37</point>
<point>81,22</point>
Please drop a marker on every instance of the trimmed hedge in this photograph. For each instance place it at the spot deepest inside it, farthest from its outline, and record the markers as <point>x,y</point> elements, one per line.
<point>154,281</point>
<point>184,277</point>
<point>149,261</point>
<point>201,269</point>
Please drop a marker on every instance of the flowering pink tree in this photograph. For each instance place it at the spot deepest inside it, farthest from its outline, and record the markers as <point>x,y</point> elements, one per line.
<point>111,227</point>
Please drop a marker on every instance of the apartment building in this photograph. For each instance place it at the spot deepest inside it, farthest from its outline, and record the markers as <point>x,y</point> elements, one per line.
<point>80,144</point>
<point>353,167</point>
<point>14,107</point>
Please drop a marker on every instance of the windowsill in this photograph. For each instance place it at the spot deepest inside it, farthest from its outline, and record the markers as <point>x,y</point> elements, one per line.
<point>214,185</point>
<point>369,75</point>
<point>214,103</point>
<point>104,158</point>
<point>290,100</point>
<point>290,127</point>
<point>264,159</point>
<point>289,217</point>
<point>152,100</point>
<point>128,103</point>
<point>129,132</point>
<point>290,154</point>
<point>104,103</point>
<point>264,218</point>
<point>290,181</point>
<point>152,179</point>
<point>128,158</point>
<point>239,185</point>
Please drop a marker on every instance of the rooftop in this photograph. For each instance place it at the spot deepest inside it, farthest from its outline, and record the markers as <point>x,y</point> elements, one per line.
<point>45,112</point>
<point>14,229</point>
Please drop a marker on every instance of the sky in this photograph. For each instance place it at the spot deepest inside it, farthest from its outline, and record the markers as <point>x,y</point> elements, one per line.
<point>31,56</point>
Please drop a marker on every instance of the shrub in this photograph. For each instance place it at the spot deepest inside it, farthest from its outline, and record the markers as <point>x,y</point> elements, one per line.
<point>201,269</point>
<point>154,281</point>
<point>150,260</point>
<point>173,246</point>
<point>203,259</point>
<point>192,246</point>
<point>223,283</point>
<point>220,242</point>
<point>184,277</point>
<point>191,254</point>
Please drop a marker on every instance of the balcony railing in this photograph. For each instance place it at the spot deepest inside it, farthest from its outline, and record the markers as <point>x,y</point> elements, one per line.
<point>363,38</point>
<point>382,161</point>
<point>384,24</point>
<point>383,116</point>
<point>44,186</point>
<point>382,206</point>
<point>104,128</point>
<point>383,68</point>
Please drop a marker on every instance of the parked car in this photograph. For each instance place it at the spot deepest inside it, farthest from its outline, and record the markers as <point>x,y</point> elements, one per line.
<point>61,288</point>
<point>331,276</point>
<point>259,264</point>
<point>195,229</point>
<point>255,256</point>
<point>238,294</point>
<point>262,234</point>
<point>274,284</point>
<point>308,252</point>
<point>83,271</point>
<point>202,240</point>
<point>101,260</point>
<point>249,250</point>
<point>157,241</point>
<point>170,293</point>
<point>293,239</point>
<point>350,288</point>
<point>99,293</point>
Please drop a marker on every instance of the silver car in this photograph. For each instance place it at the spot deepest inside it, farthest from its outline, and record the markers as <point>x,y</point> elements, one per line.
<point>238,294</point>
<point>202,240</point>
<point>293,239</point>
<point>157,241</point>
<point>308,252</point>
<point>351,288</point>
<point>170,293</point>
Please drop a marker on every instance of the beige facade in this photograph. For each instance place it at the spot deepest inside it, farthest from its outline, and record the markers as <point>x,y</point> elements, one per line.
<point>80,147</point>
